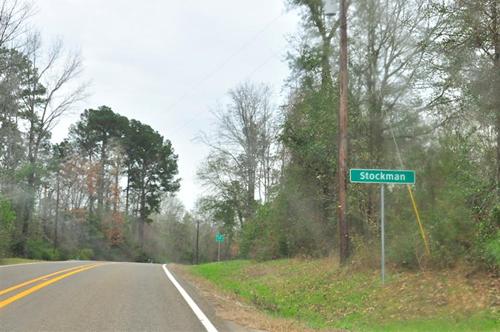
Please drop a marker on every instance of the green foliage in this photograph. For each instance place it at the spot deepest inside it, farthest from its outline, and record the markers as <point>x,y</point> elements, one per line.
<point>180,246</point>
<point>481,321</point>
<point>7,214</point>
<point>7,217</point>
<point>96,128</point>
<point>142,257</point>
<point>110,146</point>
<point>226,210</point>
<point>304,206</point>
<point>41,250</point>
<point>459,201</point>
<point>488,238</point>
<point>152,166</point>
<point>492,250</point>
<point>307,133</point>
<point>262,238</point>
<point>85,254</point>
<point>298,222</point>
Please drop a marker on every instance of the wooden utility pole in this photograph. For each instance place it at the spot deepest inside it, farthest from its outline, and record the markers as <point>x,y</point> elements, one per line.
<point>342,138</point>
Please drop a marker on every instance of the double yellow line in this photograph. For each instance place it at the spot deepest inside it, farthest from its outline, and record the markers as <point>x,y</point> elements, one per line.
<point>59,276</point>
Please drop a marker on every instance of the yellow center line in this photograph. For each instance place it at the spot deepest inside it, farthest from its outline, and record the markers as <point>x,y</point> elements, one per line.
<point>13,288</point>
<point>42,285</point>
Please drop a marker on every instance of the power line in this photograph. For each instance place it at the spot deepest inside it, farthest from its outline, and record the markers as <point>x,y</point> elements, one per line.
<point>190,89</point>
<point>250,74</point>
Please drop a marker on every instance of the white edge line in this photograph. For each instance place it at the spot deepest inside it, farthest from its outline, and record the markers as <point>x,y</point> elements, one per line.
<point>197,311</point>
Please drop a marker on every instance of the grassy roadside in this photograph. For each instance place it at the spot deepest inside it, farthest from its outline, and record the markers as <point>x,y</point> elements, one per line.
<point>322,295</point>
<point>10,261</point>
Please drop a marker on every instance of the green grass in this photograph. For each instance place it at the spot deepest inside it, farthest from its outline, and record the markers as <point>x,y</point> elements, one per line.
<point>483,321</point>
<point>10,261</point>
<point>325,296</point>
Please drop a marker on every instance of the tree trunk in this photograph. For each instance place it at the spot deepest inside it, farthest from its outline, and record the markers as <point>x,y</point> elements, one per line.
<point>127,193</point>
<point>29,203</point>
<point>498,150</point>
<point>140,230</point>
<point>251,187</point>
<point>92,194</point>
<point>56,226</point>
<point>326,73</point>
<point>496,101</point>
<point>100,192</point>
<point>142,217</point>
<point>116,193</point>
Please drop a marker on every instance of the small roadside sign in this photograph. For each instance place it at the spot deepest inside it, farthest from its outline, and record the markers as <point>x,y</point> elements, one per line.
<point>388,176</point>
<point>219,237</point>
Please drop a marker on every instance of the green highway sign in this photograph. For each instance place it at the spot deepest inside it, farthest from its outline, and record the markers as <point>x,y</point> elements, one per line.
<point>219,237</point>
<point>389,176</point>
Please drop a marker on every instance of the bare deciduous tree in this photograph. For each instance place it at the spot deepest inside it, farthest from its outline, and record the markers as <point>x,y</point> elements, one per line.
<point>52,92</point>
<point>244,146</point>
<point>13,18</point>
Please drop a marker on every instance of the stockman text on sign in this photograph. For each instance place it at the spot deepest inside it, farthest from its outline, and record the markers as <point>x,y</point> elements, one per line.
<point>382,176</point>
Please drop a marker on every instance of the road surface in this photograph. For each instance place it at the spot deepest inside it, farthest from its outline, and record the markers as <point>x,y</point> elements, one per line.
<point>98,296</point>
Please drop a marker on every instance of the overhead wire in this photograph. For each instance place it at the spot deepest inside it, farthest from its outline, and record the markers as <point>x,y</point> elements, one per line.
<point>221,65</point>
<point>410,192</point>
<point>250,74</point>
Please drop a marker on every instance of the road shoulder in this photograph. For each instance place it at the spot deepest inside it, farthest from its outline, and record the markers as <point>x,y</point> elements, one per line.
<point>228,310</point>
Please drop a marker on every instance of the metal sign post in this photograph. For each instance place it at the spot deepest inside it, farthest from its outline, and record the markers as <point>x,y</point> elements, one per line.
<point>218,252</point>
<point>382,232</point>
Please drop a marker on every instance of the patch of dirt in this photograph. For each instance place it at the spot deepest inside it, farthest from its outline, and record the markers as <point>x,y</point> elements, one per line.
<point>230,308</point>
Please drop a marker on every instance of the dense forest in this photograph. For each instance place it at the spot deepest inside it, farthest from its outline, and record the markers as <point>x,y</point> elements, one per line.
<point>424,94</point>
<point>424,90</point>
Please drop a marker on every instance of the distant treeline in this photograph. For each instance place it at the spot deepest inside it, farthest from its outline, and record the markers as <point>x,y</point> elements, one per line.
<point>89,196</point>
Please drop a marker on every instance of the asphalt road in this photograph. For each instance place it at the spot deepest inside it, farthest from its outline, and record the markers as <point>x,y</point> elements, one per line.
<point>99,296</point>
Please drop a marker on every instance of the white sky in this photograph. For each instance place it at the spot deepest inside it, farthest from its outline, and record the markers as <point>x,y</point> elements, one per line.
<point>168,62</point>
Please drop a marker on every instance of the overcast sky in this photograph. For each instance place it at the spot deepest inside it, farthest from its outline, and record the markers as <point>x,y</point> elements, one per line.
<point>168,62</point>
